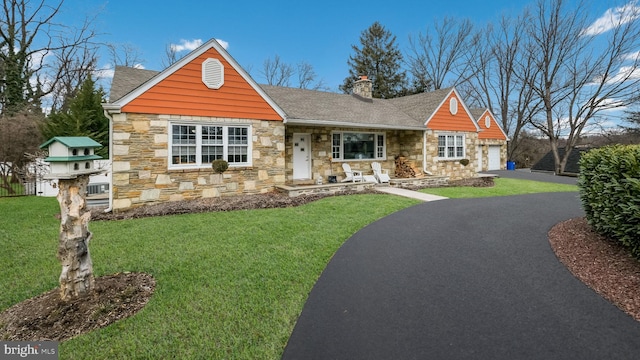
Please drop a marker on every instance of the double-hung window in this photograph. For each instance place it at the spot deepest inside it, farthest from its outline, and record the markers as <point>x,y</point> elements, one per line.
<point>194,145</point>
<point>358,145</point>
<point>451,146</point>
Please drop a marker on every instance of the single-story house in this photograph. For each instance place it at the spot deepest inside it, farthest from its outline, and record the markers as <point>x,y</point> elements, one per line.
<point>167,127</point>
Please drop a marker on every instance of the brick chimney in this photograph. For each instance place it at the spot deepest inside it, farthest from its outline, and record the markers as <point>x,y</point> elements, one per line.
<point>363,88</point>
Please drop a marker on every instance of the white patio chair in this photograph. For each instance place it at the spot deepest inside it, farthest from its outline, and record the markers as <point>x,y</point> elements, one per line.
<point>381,175</point>
<point>351,175</point>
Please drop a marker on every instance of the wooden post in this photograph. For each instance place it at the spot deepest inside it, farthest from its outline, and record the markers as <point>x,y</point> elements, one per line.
<point>76,278</point>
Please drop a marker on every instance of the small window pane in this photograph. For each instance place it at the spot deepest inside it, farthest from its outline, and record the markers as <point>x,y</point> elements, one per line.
<point>210,153</point>
<point>184,134</point>
<point>237,154</point>
<point>212,135</point>
<point>238,136</point>
<point>336,146</point>
<point>380,147</point>
<point>183,155</point>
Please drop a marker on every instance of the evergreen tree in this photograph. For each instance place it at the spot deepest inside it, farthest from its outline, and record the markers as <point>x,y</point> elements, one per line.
<point>633,118</point>
<point>84,117</point>
<point>379,59</point>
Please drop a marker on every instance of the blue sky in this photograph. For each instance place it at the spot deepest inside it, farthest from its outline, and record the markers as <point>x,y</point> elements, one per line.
<point>320,33</point>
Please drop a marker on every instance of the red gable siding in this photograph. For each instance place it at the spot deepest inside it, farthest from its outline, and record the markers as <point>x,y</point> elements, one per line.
<point>493,132</point>
<point>444,120</point>
<point>183,93</point>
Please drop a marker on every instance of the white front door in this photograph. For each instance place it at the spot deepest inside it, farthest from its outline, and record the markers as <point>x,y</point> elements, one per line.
<point>301,156</point>
<point>479,158</point>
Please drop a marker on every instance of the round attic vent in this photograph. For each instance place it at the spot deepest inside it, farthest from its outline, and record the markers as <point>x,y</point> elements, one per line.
<point>487,122</point>
<point>212,73</point>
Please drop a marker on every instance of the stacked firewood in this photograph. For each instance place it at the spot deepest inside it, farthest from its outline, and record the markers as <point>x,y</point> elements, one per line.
<point>403,169</point>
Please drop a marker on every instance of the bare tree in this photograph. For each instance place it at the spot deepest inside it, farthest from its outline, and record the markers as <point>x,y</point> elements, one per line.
<point>19,134</point>
<point>438,55</point>
<point>75,65</point>
<point>28,36</point>
<point>307,77</point>
<point>276,72</point>
<point>170,56</point>
<point>582,71</point>
<point>124,55</point>
<point>502,71</point>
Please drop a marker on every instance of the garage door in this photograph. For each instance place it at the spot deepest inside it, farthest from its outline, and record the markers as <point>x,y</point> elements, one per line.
<point>494,158</point>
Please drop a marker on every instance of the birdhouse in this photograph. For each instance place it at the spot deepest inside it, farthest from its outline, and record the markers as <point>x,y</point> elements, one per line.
<point>71,156</point>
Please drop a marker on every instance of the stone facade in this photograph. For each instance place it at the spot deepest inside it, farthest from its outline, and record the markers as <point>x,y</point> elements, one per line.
<point>141,174</point>
<point>452,169</point>
<point>397,142</point>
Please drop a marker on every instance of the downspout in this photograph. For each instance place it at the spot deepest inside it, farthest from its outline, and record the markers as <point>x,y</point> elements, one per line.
<point>424,153</point>
<point>107,114</point>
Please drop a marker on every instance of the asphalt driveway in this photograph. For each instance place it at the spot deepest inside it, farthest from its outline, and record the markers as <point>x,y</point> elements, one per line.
<point>460,279</point>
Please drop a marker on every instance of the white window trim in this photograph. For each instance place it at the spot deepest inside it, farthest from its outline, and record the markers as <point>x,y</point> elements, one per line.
<point>446,158</point>
<point>225,144</point>
<point>375,151</point>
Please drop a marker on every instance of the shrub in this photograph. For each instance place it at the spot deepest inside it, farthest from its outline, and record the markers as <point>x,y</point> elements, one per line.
<point>219,166</point>
<point>464,162</point>
<point>609,183</point>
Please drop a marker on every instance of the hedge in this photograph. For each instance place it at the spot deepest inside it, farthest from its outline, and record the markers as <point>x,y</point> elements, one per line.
<point>609,183</point>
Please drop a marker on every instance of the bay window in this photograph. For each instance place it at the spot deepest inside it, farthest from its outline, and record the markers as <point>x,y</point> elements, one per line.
<point>195,145</point>
<point>358,145</point>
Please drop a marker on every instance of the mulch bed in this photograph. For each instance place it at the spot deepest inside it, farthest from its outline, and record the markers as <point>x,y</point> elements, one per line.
<point>47,317</point>
<point>602,264</point>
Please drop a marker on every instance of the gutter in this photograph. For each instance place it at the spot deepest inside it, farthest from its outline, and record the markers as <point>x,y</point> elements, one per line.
<point>308,122</point>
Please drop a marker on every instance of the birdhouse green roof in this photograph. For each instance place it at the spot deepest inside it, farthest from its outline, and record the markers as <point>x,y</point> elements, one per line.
<point>73,142</point>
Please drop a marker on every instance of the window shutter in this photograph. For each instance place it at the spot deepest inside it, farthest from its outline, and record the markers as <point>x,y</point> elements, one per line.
<point>212,73</point>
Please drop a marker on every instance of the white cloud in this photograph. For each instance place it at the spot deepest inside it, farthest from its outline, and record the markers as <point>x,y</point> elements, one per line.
<point>634,56</point>
<point>614,17</point>
<point>40,57</point>
<point>626,73</point>
<point>611,105</point>
<point>105,72</point>
<point>190,45</point>
<point>186,45</point>
<point>223,43</point>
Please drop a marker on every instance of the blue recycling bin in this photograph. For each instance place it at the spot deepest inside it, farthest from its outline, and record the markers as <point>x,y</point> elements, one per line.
<point>511,165</point>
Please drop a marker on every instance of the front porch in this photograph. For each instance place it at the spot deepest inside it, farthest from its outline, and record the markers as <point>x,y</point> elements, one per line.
<point>294,190</point>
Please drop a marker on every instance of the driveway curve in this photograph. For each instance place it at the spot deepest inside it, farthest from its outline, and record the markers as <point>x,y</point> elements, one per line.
<point>460,279</point>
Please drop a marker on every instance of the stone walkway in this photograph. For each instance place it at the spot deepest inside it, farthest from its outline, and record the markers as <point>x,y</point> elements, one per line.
<point>410,193</point>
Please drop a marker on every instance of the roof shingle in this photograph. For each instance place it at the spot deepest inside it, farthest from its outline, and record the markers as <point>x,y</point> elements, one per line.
<point>318,107</point>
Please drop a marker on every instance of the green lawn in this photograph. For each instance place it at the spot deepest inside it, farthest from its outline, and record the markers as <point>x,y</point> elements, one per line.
<point>229,284</point>
<point>503,187</point>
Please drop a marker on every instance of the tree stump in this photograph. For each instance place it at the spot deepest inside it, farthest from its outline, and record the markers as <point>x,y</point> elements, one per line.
<point>76,278</point>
